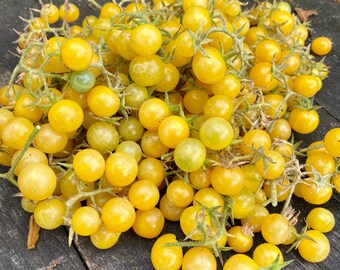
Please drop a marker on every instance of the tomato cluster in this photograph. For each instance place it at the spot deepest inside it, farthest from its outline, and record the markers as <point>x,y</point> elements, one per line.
<point>180,111</point>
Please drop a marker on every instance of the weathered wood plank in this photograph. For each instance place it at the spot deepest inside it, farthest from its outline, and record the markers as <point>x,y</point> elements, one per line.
<point>51,247</point>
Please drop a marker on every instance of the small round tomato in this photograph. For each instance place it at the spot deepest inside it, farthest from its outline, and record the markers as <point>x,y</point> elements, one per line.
<point>152,112</point>
<point>209,68</point>
<point>267,51</point>
<point>275,229</point>
<point>103,137</point>
<point>189,219</point>
<point>109,10</point>
<point>49,214</point>
<point>16,132</point>
<point>199,258</point>
<point>272,167</point>
<point>170,211</point>
<point>209,197</point>
<point>146,39</point>
<point>103,101</point>
<point>240,262</point>
<point>172,130</point>
<point>200,178</point>
<point>25,107</point>
<point>121,169</point>
<point>216,133</point>
<point>239,240</point>
<point>151,144</point>
<point>323,163</point>
<point>218,106</point>
<point>265,254</point>
<point>89,165</point>
<point>179,193</point>
<point>315,250</point>
<point>229,85</point>
<point>227,181</point>
<point>284,20</point>
<point>85,221</point>
<point>190,154</point>
<point>118,214</point>
<point>49,140</point>
<point>104,238</point>
<point>143,195</point>
<point>69,12</point>
<point>148,223</point>
<point>289,62</point>
<point>194,100</point>
<point>314,194</point>
<point>151,169</point>
<point>275,102</point>
<point>244,203</point>
<point>37,181</point>
<point>255,138</point>
<point>76,54</point>
<point>82,81</point>
<point>65,116</point>
<point>166,257</point>
<point>263,77</point>
<point>320,219</point>
<point>196,17</point>
<point>169,80</point>
<point>303,121</point>
<point>321,45</point>
<point>130,129</point>
<point>31,155</point>
<point>50,12</point>
<point>146,70</point>
<point>280,130</point>
<point>307,85</point>
<point>332,142</point>
<point>256,217</point>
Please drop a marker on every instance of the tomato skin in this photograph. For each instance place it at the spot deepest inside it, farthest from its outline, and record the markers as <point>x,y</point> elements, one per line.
<point>76,54</point>
<point>255,138</point>
<point>307,85</point>
<point>172,130</point>
<point>314,251</point>
<point>263,77</point>
<point>227,181</point>
<point>121,169</point>
<point>320,219</point>
<point>152,112</point>
<point>16,131</point>
<point>303,121</point>
<point>265,254</point>
<point>69,12</point>
<point>211,68</point>
<point>284,19</point>
<point>267,51</point>
<point>89,165</point>
<point>199,258</point>
<point>85,221</point>
<point>37,181</point>
<point>240,262</point>
<point>143,194</point>
<point>163,257</point>
<point>332,142</point>
<point>216,133</point>
<point>190,154</point>
<point>244,203</point>
<point>146,70</point>
<point>145,39</point>
<point>268,169</point>
<point>49,213</point>
<point>275,229</point>
<point>196,16</point>
<point>314,194</point>
<point>118,214</point>
<point>104,238</point>
<point>321,162</point>
<point>321,46</point>
<point>148,223</point>
<point>103,101</point>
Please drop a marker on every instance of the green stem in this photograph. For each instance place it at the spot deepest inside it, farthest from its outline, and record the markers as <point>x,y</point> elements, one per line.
<point>10,174</point>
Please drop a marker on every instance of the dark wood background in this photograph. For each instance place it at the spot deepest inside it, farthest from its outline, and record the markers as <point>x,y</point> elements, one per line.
<point>132,252</point>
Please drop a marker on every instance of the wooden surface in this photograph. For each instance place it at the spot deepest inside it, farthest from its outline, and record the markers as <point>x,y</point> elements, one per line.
<point>132,252</point>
